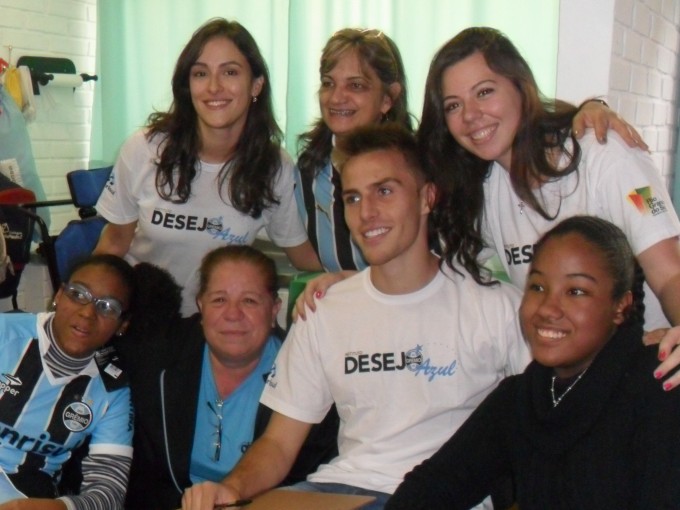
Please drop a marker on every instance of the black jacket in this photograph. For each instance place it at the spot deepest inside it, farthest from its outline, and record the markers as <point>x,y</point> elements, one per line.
<point>160,467</point>
<point>611,443</point>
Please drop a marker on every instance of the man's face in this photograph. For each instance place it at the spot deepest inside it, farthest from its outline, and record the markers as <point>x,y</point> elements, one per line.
<point>385,206</point>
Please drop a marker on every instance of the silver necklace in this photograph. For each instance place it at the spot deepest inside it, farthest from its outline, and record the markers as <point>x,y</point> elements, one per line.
<point>557,400</point>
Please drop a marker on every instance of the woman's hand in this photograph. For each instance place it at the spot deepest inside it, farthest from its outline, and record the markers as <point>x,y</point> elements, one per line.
<point>316,289</point>
<point>593,114</point>
<point>204,496</point>
<point>667,339</point>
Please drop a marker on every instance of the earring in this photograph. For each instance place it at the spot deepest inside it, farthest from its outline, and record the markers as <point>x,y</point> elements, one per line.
<point>54,304</point>
<point>119,333</point>
<point>254,99</point>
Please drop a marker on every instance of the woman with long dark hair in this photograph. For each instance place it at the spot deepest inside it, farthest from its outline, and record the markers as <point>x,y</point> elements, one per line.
<point>208,172</point>
<point>509,166</point>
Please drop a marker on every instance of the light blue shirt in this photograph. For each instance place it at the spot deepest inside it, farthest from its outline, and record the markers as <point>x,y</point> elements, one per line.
<point>238,418</point>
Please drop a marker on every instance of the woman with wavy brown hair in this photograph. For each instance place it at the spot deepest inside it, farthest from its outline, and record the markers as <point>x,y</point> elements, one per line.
<point>208,172</point>
<point>362,82</point>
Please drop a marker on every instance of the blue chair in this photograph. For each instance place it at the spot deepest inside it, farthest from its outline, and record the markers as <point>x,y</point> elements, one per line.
<point>79,237</point>
<point>85,187</point>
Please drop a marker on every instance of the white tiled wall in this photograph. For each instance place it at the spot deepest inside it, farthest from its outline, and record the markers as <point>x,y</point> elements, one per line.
<point>645,72</point>
<point>60,134</point>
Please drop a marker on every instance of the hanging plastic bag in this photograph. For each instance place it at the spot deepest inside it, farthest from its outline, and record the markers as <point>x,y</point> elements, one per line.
<point>16,156</point>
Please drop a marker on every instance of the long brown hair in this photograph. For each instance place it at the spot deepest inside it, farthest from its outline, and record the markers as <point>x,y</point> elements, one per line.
<point>375,50</point>
<point>459,175</point>
<point>250,180</point>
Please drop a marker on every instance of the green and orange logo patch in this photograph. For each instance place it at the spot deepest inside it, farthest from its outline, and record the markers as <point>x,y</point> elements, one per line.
<point>645,202</point>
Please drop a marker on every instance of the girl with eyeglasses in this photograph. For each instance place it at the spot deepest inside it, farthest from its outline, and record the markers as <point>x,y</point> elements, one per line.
<point>60,386</point>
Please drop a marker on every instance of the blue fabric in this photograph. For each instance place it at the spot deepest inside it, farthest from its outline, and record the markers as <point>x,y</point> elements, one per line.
<point>238,410</point>
<point>86,185</point>
<point>322,212</point>
<point>78,239</point>
<point>339,488</point>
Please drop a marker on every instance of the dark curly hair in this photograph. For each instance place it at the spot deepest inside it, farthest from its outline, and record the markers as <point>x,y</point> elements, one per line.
<point>459,175</point>
<point>249,181</point>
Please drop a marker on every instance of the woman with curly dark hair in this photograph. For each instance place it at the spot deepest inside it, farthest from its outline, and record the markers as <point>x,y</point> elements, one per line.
<point>208,172</point>
<point>509,166</point>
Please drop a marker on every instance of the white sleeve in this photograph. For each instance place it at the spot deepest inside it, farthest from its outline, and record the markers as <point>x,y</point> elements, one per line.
<point>284,226</point>
<point>119,201</point>
<point>517,352</point>
<point>631,192</point>
<point>297,386</point>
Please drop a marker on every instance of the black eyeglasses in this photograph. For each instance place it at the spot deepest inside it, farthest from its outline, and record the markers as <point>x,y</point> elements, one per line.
<point>217,411</point>
<point>107,307</point>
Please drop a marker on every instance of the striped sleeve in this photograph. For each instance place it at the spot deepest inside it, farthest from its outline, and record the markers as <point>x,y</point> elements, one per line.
<point>104,485</point>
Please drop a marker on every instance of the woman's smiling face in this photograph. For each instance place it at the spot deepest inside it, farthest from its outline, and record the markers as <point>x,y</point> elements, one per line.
<point>482,109</point>
<point>568,312</point>
<point>351,95</point>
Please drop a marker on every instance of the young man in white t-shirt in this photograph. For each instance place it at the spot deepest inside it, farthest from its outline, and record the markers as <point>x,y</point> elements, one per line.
<point>405,349</point>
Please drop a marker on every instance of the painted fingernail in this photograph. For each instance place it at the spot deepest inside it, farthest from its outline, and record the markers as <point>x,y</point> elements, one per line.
<point>658,374</point>
<point>317,294</point>
<point>662,355</point>
<point>667,386</point>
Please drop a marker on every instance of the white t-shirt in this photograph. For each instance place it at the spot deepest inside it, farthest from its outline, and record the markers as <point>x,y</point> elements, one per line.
<point>177,236</point>
<point>613,182</point>
<point>404,371</point>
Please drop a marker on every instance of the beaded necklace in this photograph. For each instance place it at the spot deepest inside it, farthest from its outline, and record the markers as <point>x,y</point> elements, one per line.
<point>557,400</point>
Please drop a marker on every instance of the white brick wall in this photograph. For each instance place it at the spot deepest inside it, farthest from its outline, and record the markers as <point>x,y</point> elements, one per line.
<point>60,134</point>
<point>645,73</point>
